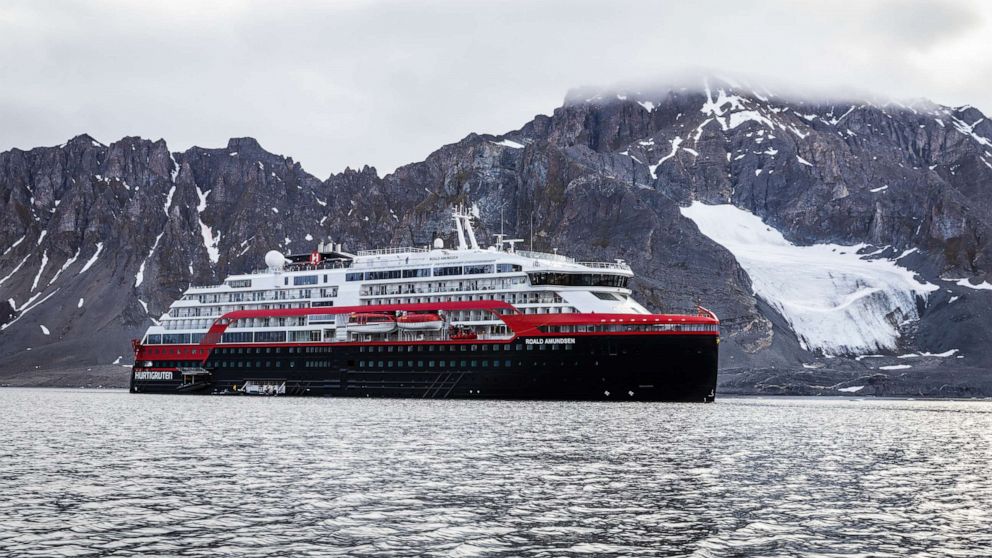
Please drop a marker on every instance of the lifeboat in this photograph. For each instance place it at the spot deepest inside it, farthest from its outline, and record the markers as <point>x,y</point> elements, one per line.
<point>371,322</point>
<point>420,322</point>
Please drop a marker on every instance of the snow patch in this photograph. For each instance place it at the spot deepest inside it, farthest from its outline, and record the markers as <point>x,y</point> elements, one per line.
<point>45,330</point>
<point>879,189</point>
<point>140,276</point>
<point>895,367</point>
<point>13,271</point>
<point>851,389</point>
<point>983,286</point>
<point>81,301</point>
<point>26,308</point>
<point>14,245</point>
<point>168,198</point>
<point>65,266</point>
<point>803,161</point>
<point>969,130</point>
<point>143,305</point>
<point>675,147</point>
<point>210,242</point>
<point>738,118</point>
<point>44,262</point>
<point>200,207</point>
<point>648,105</point>
<point>835,300</point>
<point>509,143</point>
<point>92,260</point>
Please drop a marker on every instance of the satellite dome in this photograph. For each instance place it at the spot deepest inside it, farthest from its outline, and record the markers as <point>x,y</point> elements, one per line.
<point>438,243</point>
<point>275,260</point>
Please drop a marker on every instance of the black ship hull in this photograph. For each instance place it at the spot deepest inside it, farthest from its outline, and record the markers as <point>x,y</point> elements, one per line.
<point>670,367</point>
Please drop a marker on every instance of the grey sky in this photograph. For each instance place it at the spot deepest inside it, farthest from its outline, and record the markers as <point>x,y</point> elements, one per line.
<point>334,84</point>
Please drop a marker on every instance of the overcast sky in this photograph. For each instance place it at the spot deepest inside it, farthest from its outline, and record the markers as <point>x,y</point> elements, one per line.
<point>335,84</point>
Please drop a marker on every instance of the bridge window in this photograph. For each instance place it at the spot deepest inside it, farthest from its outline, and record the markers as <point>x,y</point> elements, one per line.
<point>578,279</point>
<point>305,280</point>
<point>478,269</point>
<point>450,270</point>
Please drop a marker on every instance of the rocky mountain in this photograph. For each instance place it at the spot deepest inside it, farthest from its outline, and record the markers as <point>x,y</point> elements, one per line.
<point>844,244</point>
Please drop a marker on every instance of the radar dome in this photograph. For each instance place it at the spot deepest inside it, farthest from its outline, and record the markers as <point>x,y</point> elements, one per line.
<point>438,243</point>
<point>275,260</point>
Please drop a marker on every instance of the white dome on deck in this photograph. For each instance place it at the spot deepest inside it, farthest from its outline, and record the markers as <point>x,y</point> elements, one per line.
<point>275,260</point>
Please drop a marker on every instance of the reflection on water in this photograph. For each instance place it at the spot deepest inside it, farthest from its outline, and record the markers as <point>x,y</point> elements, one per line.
<point>100,473</point>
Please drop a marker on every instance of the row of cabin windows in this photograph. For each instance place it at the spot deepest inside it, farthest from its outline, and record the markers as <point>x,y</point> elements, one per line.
<point>445,271</point>
<point>323,349</point>
<point>264,295</point>
<point>272,350</point>
<point>458,348</point>
<point>449,286</point>
<point>380,364</point>
<point>438,364</point>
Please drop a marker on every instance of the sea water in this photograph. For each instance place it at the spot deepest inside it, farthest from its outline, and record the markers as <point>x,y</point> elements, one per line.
<point>109,473</point>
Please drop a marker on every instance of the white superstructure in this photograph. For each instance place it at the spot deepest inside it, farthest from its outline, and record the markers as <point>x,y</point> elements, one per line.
<point>533,282</point>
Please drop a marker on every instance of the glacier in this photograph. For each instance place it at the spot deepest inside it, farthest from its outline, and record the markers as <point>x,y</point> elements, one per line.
<point>836,301</point>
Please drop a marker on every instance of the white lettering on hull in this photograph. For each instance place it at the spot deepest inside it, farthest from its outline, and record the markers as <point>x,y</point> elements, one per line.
<point>550,341</point>
<point>152,375</point>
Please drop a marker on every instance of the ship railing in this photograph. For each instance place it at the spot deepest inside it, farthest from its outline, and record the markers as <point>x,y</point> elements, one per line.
<point>394,250</point>
<point>606,265</point>
<point>545,256</point>
<point>304,266</point>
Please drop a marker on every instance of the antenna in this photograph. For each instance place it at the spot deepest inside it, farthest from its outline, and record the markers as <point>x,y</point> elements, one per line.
<point>532,228</point>
<point>512,242</point>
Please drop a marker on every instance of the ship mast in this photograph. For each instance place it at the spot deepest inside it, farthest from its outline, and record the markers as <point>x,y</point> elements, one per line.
<point>463,224</point>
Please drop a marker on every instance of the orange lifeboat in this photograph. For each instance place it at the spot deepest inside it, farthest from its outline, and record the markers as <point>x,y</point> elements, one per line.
<point>371,322</point>
<point>420,322</point>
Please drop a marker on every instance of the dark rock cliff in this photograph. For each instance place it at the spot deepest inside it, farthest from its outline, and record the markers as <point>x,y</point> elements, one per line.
<point>97,240</point>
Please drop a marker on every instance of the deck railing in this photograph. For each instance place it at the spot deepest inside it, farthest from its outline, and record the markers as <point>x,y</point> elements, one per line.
<point>395,250</point>
<point>545,256</point>
<point>606,265</point>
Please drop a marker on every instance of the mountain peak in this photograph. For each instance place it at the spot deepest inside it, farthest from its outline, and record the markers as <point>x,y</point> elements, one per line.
<point>244,144</point>
<point>84,139</point>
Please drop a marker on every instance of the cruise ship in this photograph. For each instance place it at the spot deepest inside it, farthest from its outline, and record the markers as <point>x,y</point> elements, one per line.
<point>465,322</point>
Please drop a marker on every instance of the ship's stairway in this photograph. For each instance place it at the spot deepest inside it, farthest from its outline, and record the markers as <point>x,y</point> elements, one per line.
<point>443,385</point>
<point>298,388</point>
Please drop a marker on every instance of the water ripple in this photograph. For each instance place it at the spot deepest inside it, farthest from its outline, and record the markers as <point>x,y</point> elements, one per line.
<point>94,473</point>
